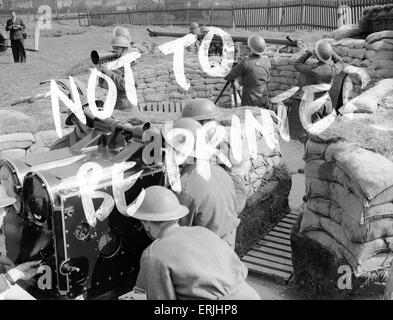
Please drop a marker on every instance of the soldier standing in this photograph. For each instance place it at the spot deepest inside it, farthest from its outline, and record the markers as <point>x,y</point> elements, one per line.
<point>323,71</point>
<point>255,74</point>
<point>121,45</point>
<point>186,263</point>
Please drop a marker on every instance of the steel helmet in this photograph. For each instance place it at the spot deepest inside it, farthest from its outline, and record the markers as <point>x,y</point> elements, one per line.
<point>256,44</point>
<point>182,123</point>
<point>160,204</point>
<point>121,42</point>
<point>200,109</point>
<point>121,32</point>
<point>323,51</point>
<point>5,199</point>
<point>194,25</point>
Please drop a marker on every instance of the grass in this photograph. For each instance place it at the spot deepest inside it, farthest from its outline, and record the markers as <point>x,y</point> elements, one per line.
<point>359,131</point>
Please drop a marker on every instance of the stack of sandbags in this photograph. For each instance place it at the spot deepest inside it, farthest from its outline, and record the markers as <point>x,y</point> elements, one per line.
<point>283,74</point>
<point>349,207</point>
<point>371,100</point>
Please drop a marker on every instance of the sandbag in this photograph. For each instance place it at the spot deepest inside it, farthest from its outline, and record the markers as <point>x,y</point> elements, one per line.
<point>360,211</point>
<point>381,260</point>
<point>326,208</point>
<point>314,150</point>
<point>368,100</point>
<point>310,221</point>
<point>367,184</point>
<point>369,173</point>
<point>360,252</point>
<point>12,154</point>
<point>350,31</point>
<point>21,140</point>
<point>376,36</point>
<point>385,44</point>
<point>371,230</point>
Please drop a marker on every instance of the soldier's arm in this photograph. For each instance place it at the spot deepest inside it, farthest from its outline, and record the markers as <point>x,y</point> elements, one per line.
<point>155,279</point>
<point>118,79</point>
<point>236,72</point>
<point>338,63</point>
<point>186,200</point>
<point>300,64</point>
<point>8,26</point>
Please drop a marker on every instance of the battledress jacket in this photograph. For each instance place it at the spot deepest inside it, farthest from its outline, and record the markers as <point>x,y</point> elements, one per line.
<point>255,75</point>
<point>192,263</point>
<point>117,76</point>
<point>319,73</point>
<point>211,203</point>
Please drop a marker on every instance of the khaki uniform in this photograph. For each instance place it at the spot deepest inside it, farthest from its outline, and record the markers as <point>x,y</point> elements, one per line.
<point>117,76</point>
<point>319,73</point>
<point>192,263</point>
<point>255,75</point>
<point>80,131</point>
<point>212,203</point>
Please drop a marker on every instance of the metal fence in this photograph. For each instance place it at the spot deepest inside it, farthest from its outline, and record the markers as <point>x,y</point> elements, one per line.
<point>269,14</point>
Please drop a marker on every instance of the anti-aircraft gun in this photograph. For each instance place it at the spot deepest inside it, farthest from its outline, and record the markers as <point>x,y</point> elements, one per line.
<point>217,45</point>
<point>49,222</point>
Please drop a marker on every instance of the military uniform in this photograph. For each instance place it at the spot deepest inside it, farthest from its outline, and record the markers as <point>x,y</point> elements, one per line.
<point>117,76</point>
<point>255,75</point>
<point>238,171</point>
<point>80,131</point>
<point>192,263</point>
<point>319,73</point>
<point>212,203</point>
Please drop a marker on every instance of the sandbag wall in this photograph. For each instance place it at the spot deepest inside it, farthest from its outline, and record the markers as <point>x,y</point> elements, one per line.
<point>374,54</point>
<point>349,203</point>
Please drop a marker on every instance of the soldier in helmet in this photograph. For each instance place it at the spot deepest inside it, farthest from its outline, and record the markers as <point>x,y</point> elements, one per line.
<point>185,263</point>
<point>194,28</point>
<point>255,74</point>
<point>209,206</point>
<point>203,111</point>
<point>121,45</point>
<point>204,30</point>
<point>323,71</point>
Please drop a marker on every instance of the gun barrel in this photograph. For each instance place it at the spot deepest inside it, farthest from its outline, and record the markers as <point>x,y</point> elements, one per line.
<point>285,42</point>
<point>98,57</point>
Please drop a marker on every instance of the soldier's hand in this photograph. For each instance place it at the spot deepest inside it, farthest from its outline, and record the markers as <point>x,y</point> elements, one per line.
<point>26,271</point>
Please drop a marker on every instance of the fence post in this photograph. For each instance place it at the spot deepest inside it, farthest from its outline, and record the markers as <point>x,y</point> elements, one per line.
<point>129,17</point>
<point>233,16</point>
<point>269,9</point>
<point>303,14</point>
<point>102,21</point>
<point>164,10</point>
<point>144,10</point>
<point>188,15</point>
